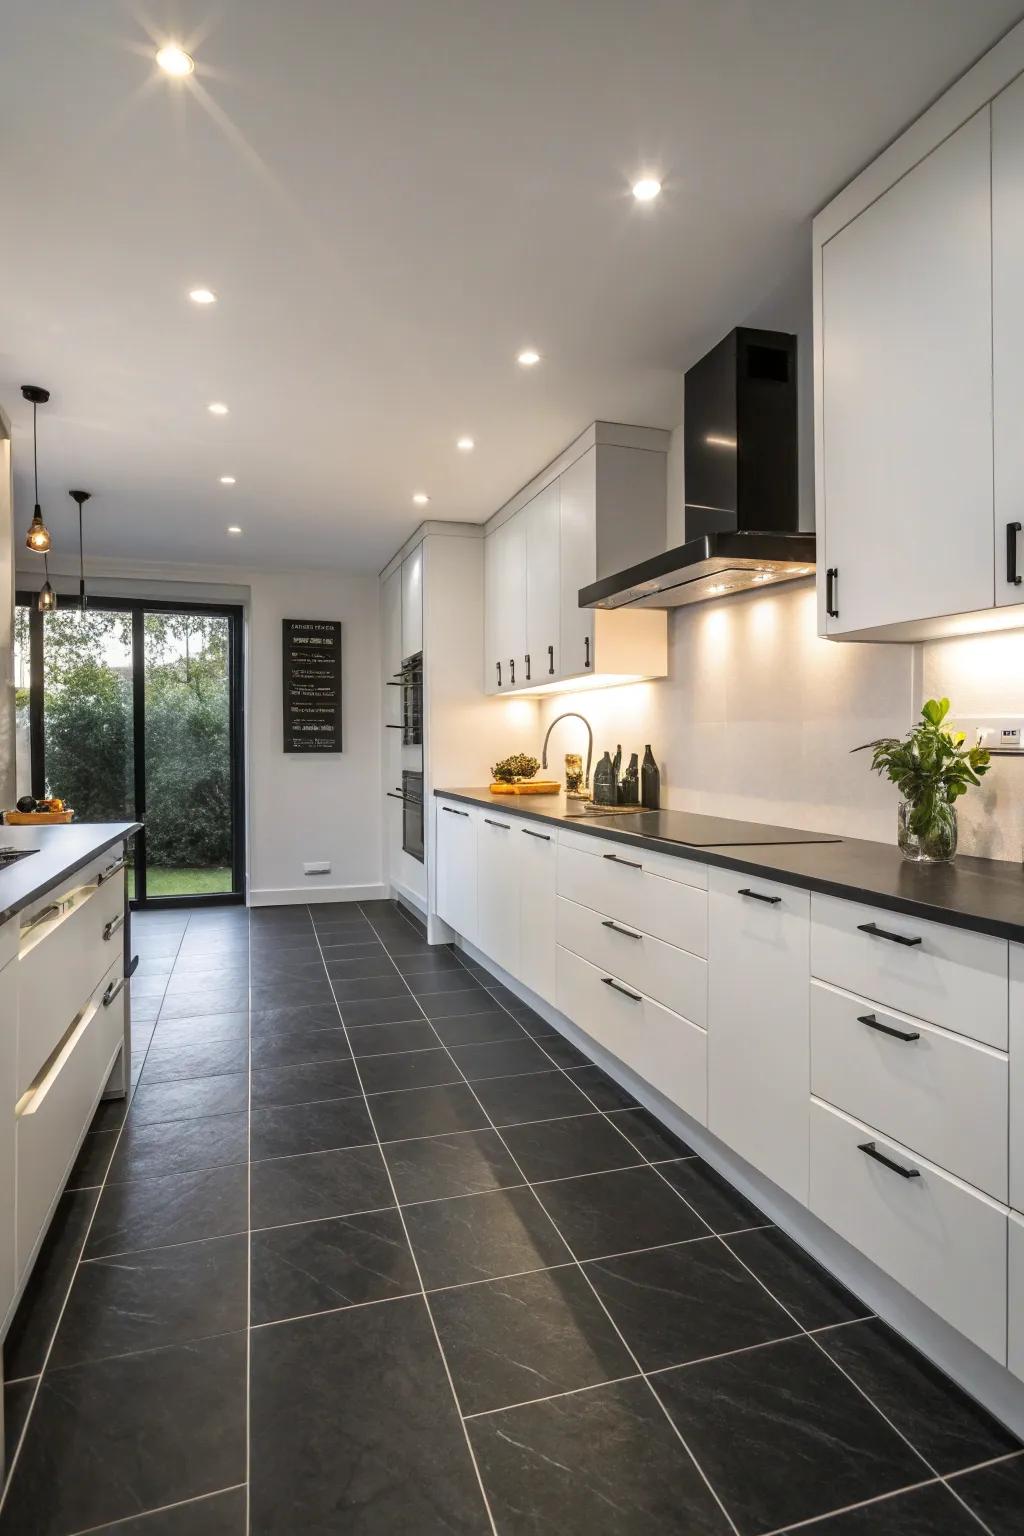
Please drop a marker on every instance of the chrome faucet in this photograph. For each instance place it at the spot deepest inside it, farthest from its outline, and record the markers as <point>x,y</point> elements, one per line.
<point>570,715</point>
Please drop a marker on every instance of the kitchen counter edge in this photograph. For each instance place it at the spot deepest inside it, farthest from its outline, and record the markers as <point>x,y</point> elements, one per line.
<point>61,850</point>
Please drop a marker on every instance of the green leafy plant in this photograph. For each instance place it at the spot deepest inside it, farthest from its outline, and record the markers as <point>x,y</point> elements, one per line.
<point>931,767</point>
<point>518,766</point>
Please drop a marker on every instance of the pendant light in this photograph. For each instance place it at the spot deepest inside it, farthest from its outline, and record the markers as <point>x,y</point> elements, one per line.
<point>38,536</point>
<point>81,497</point>
<point>47,596</point>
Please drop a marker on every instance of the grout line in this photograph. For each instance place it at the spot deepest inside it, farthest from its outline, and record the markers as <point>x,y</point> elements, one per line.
<point>553,1397</point>
<point>823,1521</point>
<point>200,1498</point>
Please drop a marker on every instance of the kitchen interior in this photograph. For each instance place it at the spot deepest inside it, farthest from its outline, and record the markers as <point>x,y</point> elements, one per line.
<point>512,948</point>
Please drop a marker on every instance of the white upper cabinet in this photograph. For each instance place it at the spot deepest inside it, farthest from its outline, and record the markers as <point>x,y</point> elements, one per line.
<point>543,643</point>
<point>412,602</point>
<point>578,561</point>
<point>505,606</point>
<point>1008,339</point>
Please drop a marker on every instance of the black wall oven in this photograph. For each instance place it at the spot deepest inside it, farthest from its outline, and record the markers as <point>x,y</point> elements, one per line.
<point>412,813</point>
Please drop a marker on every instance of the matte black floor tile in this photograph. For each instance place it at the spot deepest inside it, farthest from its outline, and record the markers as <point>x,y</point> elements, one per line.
<point>289,1130</point>
<point>93,1160</point>
<point>319,1265</point>
<point>177,1208</point>
<point>211,1058</point>
<point>372,989</point>
<point>147,1300</point>
<point>482,1237</point>
<point>28,1337</point>
<point>190,1098</point>
<point>385,1010</point>
<point>398,944</point>
<point>948,1428</point>
<point>427,1112</point>
<point>279,968</point>
<point>360,967</point>
<point>722,1207</point>
<point>284,1021</point>
<point>304,1084</point>
<point>654,1140</point>
<point>929,1511</point>
<point>996,1494</point>
<point>409,1069</point>
<point>361,948</point>
<point>208,1026</point>
<point>562,1052</point>
<point>539,1029</point>
<point>110,1439</point>
<point>601,1089</point>
<point>179,1146</point>
<point>186,1003</point>
<point>685,1303</point>
<point>354,1428</point>
<point>448,1005</point>
<point>815,1299</point>
<point>607,1213</point>
<point>604,1461</point>
<point>319,1184</point>
<point>422,965</point>
<point>385,1039</point>
<point>477,1029</point>
<point>557,1149</point>
<point>426,983</point>
<point>438,1167</point>
<point>782,1436</point>
<point>510,1341</point>
<point>501,1058</point>
<point>221,1514</point>
<point>532,1096</point>
<point>312,991</point>
<point>296,1047</point>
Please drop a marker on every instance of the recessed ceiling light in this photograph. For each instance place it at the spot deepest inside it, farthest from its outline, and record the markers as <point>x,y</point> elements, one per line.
<point>175,61</point>
<point>217,408</point>
<point>646,189</point>
<point>202,296</point>
<point>465,444</point>
<point>421,498</point>
<point>528,358</point>
<point>234,528</point>
<point>227,479</point>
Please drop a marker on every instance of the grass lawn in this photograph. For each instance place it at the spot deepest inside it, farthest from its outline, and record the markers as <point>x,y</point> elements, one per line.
<point>186,882</point>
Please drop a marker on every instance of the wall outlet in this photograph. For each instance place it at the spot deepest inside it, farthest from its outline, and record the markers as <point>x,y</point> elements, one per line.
<point>998,733</point>
<point>317,867</point>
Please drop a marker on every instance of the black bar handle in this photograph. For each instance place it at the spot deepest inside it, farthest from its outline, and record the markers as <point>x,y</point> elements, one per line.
<point>114,926</point>
<point>831,578</point>
<point>871,1150</point>
<point>883,933</point>
<point>1012,575</point>
<point>626,932</point>
<point>511,671</point>
<point>613,858</point>
<point>390,727</point>
<point>551,660</point>
<point>392,796</point>
<point>453,812</point>
<point>888,1029</point>
<point>498,665</point>
<point>757,896</point>
<point>634,996</point>
<point>544,836</point>
<point>502,824</point>
<point>526,658</point>
<point>586,650</point>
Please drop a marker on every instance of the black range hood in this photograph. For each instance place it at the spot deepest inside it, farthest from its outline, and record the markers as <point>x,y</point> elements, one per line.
<point>742,494</point>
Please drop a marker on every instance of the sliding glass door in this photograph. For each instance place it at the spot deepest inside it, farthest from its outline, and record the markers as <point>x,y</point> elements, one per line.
<point>131,710</point>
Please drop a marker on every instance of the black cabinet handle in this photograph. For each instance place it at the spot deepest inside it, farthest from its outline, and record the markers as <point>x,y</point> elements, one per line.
<point>112,991</point>
<point>888,1029</point>
<point>394,727</point>
<point>115,924</point>
<point>757,896</point>
<point>453,812</point>
<point>551,660</point>
<point>871,1150</point>
<point>511,671</point>
<point>586,650</point>
<point>544,837</point>
<point>613,858</point>
<point>634,996</point>
<point>526,658</point>
<point>831,578</point>
<point>883,933</point>
<point>1012,576</point>
<point>498,665</point>
<point>626,932</point>
<point>502,824</point>
<point>392,796</point>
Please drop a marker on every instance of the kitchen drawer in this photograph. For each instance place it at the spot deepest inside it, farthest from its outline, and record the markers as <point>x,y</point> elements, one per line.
<point>54,1113</point>
<point>669,866</point>
<point>1015,1310</point>
<point>941,1094</point>
<point>941,1240</point>
<point>622,887</point>
<point>949,976</point>
<point>62,957</point>
<point>673,977</point>
<point>664,1049</point>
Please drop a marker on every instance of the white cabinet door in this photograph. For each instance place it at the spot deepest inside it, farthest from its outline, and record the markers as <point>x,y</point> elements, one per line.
<point>907,395</point>
<point>391,646</point>
<point>542,586</point>
<point>505,599</point>
<point>758,1024</point>
<point>1008,339</point>
<point>577,542</point>
<point>412,602</point>
<point>1015,1311</point>
<point>1017,1076</point>
<point>497,879</point>
<point>456,868</point>
<point>8,1097</point>
<point>537,900</point>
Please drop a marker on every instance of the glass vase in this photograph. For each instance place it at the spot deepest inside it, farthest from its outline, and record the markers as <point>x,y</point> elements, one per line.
<point>936,845</point>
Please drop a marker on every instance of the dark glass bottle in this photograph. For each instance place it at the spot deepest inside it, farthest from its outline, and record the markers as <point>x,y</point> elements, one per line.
<point>604,782</point>
<point>631,783</point>
<point>650,782</point>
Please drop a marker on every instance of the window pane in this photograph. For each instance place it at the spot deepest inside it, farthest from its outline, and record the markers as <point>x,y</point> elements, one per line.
<point>22,683</point>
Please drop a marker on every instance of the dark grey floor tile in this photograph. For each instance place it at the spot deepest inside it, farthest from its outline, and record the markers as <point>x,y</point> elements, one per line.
<point>354,1429</point>
<point>205,970</point>
<point>948,1428</point>
<point>482,1237</point>
<point>360,967</point>
<point>722,1207</point>
<point>438,1167</point>
<point>285,969</point>
<point>647,1133</point>
<point>197,1031</point>
<point>187,1002</point>
<point>372,989</point>
<point>385,1039</point>
<point>782,1436</point>
<point>334,940</point>
<point>290,1130</point>
<point>510,1341</point>
<point>561,1051</point>
<point>313,991</point>
<point>319,1265</point>
<point>319,1184</point>
<point>147,1300</point>
<point>407,1069</point>
<point>219,1514</point>
<point>398,944</point>
<point>176,1208</point>
<point>604,1461</point>
<point>32,1327</point>
<point>189,1098</point>
<point>602,1090</point>
<point>500,1058</point>
<point>685,1303</point>
<point>18,1397</point>
<point>148,986</point>
<point>929,1511</point>
<point>145,1010</point>
<point>179,1146</point>
<point>153,964</point>
<point>560,1149</point>
<point>213,1058</point>
<point>93,1160</point>
<point>304,1084</point>
<point>432,964</point>
<point>996,1494</point>
<point>285,1021</point>
<point>381,1010</point>
<point>425,983</point>
<point>298,1047</point>
<point>477,1029</point>
<point>803,1287</point>
<point>108,1440</point>
<point>361,948</point>
<point>427,1112</point>
<point>449,1005</point>
<point>539,1029</point>
<point>533,1096</point>
<point>607,1213</point>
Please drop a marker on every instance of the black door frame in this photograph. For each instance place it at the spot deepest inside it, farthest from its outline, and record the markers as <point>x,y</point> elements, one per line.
<point>138,608</point>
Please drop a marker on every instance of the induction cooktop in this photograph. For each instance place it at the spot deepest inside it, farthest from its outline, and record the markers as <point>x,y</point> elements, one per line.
<point>707,831</point>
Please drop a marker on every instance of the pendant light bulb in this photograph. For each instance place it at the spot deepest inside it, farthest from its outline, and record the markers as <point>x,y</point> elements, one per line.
<point>47,598</point>
<point>38,537</point>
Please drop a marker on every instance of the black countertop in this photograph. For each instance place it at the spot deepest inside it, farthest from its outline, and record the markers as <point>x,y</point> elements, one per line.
<point>60,850</point>
<point>986,895</point>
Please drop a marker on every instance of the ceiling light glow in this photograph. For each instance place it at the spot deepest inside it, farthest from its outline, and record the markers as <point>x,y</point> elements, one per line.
<point>421,498</point>
<point>217,408</point>
<point>234,528</point>
<point>528,358</point>
<point>227,479</point>
<point>646,189</point>
<point>202,296</point>
<point>175,61</point>
<point>465,445</point>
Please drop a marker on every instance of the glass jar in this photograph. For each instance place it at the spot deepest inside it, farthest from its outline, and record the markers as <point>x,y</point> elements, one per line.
<point>574,777</point>
<point>935,846</point>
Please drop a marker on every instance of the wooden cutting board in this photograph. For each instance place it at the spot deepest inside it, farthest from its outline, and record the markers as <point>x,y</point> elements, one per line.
<point>528,787</point>
<point>37,818</point>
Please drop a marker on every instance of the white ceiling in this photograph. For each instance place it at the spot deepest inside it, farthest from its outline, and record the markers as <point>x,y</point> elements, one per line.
<point>392,198</point>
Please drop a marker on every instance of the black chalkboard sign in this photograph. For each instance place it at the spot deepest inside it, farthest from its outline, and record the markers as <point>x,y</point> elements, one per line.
<point>312,685</point>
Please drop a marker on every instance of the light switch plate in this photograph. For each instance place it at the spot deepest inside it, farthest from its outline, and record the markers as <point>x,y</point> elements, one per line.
<point>317,867</point>
<point>998,733</point>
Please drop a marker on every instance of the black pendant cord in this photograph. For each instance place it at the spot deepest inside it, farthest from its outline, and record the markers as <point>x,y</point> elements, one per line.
<point>81,562</point>
<point>35,451</point>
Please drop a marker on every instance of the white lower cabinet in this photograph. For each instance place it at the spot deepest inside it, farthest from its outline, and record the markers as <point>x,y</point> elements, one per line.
<point>537,855</point>
<point>1017,1076</point>
<point>1015,1310</point>
<point>455,898</point>
<point>758,1025</point>
<point>670,975</point>
<point>945,1242</point>
<point>497,889</point>
<point>8,1097</point>
<point>620,883</point>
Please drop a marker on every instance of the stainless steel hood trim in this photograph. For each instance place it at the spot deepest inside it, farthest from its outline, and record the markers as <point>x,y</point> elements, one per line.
<point>781,556</point>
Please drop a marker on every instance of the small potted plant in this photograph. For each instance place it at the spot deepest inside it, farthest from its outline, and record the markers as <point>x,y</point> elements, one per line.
<point>931,767</point>
<point>514,769</point>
